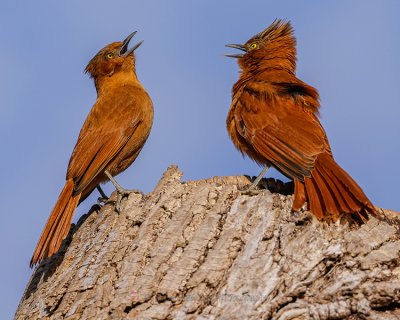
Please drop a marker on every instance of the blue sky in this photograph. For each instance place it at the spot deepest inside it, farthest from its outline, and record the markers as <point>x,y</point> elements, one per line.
<point>348,50</point>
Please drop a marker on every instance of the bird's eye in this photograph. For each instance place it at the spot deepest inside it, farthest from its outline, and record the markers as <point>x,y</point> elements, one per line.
<point>253,46</point>
<point>110,55</point>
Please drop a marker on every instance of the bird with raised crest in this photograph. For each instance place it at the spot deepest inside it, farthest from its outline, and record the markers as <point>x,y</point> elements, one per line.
<point>111,138</point>
<point>273,119</point>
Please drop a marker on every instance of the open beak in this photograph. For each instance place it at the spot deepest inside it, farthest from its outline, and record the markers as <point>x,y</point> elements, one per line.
<point>236,46</point>
<point>124,48</point>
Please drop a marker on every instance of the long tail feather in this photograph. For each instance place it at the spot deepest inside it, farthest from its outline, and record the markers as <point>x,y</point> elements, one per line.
<point>331,192</point>
<point>58,224</point>
<point>315,198</point>
<point>300,196</point>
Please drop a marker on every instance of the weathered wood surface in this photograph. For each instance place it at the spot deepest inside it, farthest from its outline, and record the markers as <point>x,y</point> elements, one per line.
<point>201,250</point>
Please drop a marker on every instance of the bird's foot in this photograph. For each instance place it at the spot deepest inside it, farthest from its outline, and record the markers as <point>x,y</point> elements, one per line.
<point>121,192</point>
<point>251,190</point>
<point>124,193</point>
<point>248,192</point>
<point>103,198</point>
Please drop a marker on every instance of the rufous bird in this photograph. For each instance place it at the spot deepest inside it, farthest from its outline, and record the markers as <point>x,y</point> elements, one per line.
<point>273,119</point>
<point>111,138</point>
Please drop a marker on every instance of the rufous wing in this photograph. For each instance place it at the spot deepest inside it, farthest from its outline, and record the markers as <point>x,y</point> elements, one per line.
<point>283,131</point>
<point>102,137</point>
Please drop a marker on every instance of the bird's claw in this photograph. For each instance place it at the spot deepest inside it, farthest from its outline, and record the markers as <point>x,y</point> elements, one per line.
<point>103,197</point>
<point>123,193</point>
<point>101,200</point>
<point>251,189</point>
<point>251,192</point>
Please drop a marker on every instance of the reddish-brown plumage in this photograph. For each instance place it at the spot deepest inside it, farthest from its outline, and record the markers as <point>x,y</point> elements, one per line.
<point>111,138</point>
<point>273,119</point>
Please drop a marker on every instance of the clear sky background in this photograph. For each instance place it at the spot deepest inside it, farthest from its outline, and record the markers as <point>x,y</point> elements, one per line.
<point>348,50</point>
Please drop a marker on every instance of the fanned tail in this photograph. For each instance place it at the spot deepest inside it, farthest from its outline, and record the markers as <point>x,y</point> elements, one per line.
<point>58,224</point>
<point>331,192</point>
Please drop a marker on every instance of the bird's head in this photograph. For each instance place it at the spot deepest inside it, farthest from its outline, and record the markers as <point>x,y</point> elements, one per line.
<point>113,58</point>
<point>274,47</point>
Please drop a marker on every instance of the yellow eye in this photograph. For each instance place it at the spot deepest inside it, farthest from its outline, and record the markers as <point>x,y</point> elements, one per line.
<point>110,55</point>
<point>253,46</point>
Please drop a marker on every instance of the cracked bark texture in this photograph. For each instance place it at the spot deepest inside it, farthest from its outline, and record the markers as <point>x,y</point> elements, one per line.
<point>202,250</point>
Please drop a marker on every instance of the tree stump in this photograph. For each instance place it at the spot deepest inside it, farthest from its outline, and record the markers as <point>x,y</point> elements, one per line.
<point>202,250</point>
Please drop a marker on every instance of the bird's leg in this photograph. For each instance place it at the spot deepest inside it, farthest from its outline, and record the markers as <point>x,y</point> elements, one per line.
<point>103,197</point>
<point>250,190</point>
<point>121,191</point>
<point>258,179</point>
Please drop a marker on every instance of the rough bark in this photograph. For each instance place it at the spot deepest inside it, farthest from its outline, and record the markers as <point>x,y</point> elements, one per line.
<point>202,250</point>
